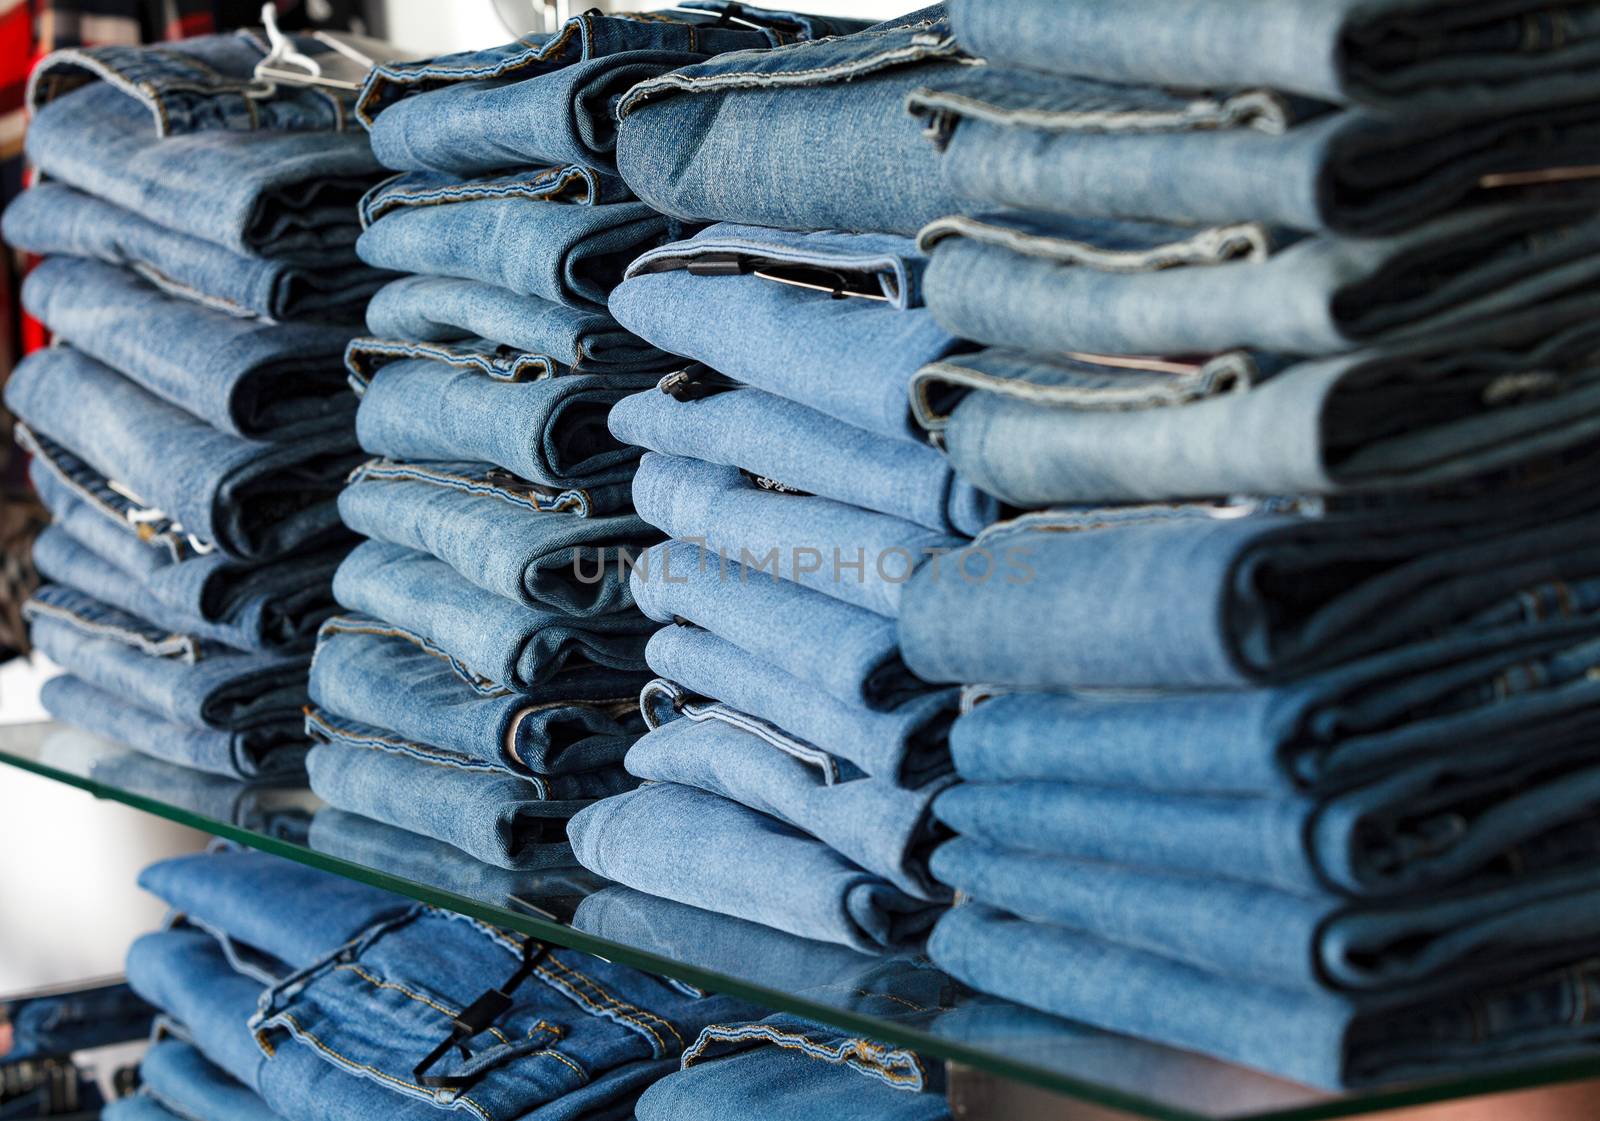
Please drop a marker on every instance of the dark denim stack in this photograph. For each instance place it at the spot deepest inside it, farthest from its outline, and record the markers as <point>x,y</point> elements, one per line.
<point>484,685</point>
<point>1278,736</point>
<point>189,429</point>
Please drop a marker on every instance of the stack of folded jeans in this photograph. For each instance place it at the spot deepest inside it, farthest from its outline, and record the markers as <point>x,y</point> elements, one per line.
<point>189,429</point>
<point>484,685</point>
<point>294,993</point>
<point>1303,779</point>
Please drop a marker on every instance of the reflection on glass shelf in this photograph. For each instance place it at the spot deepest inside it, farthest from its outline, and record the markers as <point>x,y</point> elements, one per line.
<point>899,1000</point>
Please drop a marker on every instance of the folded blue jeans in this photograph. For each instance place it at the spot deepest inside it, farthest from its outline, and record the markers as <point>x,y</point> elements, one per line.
<point>1428,59</point>
<point>252,501</point>
<point>882,828</point>
<point>1109,286</point>
<point>280,194</point>
<point>1037,431</point>
<point>550,432</point>
<point>52,218</point>
<point>1022,140</point>
<point>1513,692</point>
<point>1434,825</point>
<point>491,642</point>
<point>1325,1040</point>
<point>779,622</point>
<point>685,138</point>
<point>189,682</point>
<point>860,557</point>
<point>176,1079</point>
<point>795,448</point>
<point>76,1021</point>
<point>545,560</point>
<point>1311,943</point>
<point>248,377</point>
<point>655,839</point>
<point>568,253</point>
<point>848,358</point>
<point>1226,597</point>
<point>447,309</point>
<point>906,745</point>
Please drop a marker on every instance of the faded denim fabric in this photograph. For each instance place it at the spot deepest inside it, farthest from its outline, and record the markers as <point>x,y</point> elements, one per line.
<point>1406,57</point>
<point>1037,431</point>
<point>269,753</point>
<point>906,745</point>
<point>1325,1040</point>
<point>263,609</point>
<point>175,1080</point>
<point>1308,943</point>
<point>248,377</point>
<point>1015,139</point>
<point>881,827</point>
<point>550,432</point>
<point>860,557</point>
<point>1107,286</point>
<point>251,500</point>
<point>1515,693</point>
<point>541,559</point>
<point>565,252</point>
<point>445,309</point>
<point>654,839</point>
<point>76,1021</point>
<point>778,622</point>
<point>1198,593</point>
<point>840,153</point>
<point>850,359</point>
<point>493,644</point>
<point>52,218</point>
<point>799,449</point>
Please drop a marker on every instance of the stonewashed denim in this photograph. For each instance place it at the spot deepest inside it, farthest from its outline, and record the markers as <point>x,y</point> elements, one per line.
<point>372,674</point>
<point>1107,286</point>
<point>783,1067</point>
<point>285,195</point>
<point>779,622</point>
<point>203,84</point>
<point>906,745</point>
<point>250,500</point>
<point>839,151</point>
<point>563,116</point>
<point>445,309</point>
<point>423,860</point>
<point>194,683</point>
<point>176,1080</point>
<point>570,184</point>
<point>1203,596</point>
<point>509,821</point>
<point>551,432</point>
<point>1401,415</point>
<point>262,609</point>
<point>850,554</point>
<point>78,1021</point>
<point>1014,139</point>
<point>656,840</point>
<point>705,27</point>
<point>545,560</point>
<point>1406,57</point>
<point>52,218</point>
<point>1508,693</point>
<point>1433,825</point>
<point>1315,943</point>
<point>269,753</point>
<point>850,359</point>
<point>259,380</point>
<point>800,449</point>
<point>883,828</point>
<point>1325,1040</point>
<point>493,644</point>
<point>568,253</point>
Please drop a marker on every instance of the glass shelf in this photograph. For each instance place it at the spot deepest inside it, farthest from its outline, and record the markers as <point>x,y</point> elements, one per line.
<point>771,968</point>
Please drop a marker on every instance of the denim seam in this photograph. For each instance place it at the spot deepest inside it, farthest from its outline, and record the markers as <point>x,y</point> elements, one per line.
<point>188,292</point>
<point>352,967</point>
<point>575,500</point>
<point>859,1054</point>
<point>1257,109</point>
<point>320,722</point>
<point>1240,241</point>
<point>487,687</point>
<point>617,1005</point>
<point>534,190</point>
<point>183,646</point>
<point>385,350</point>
